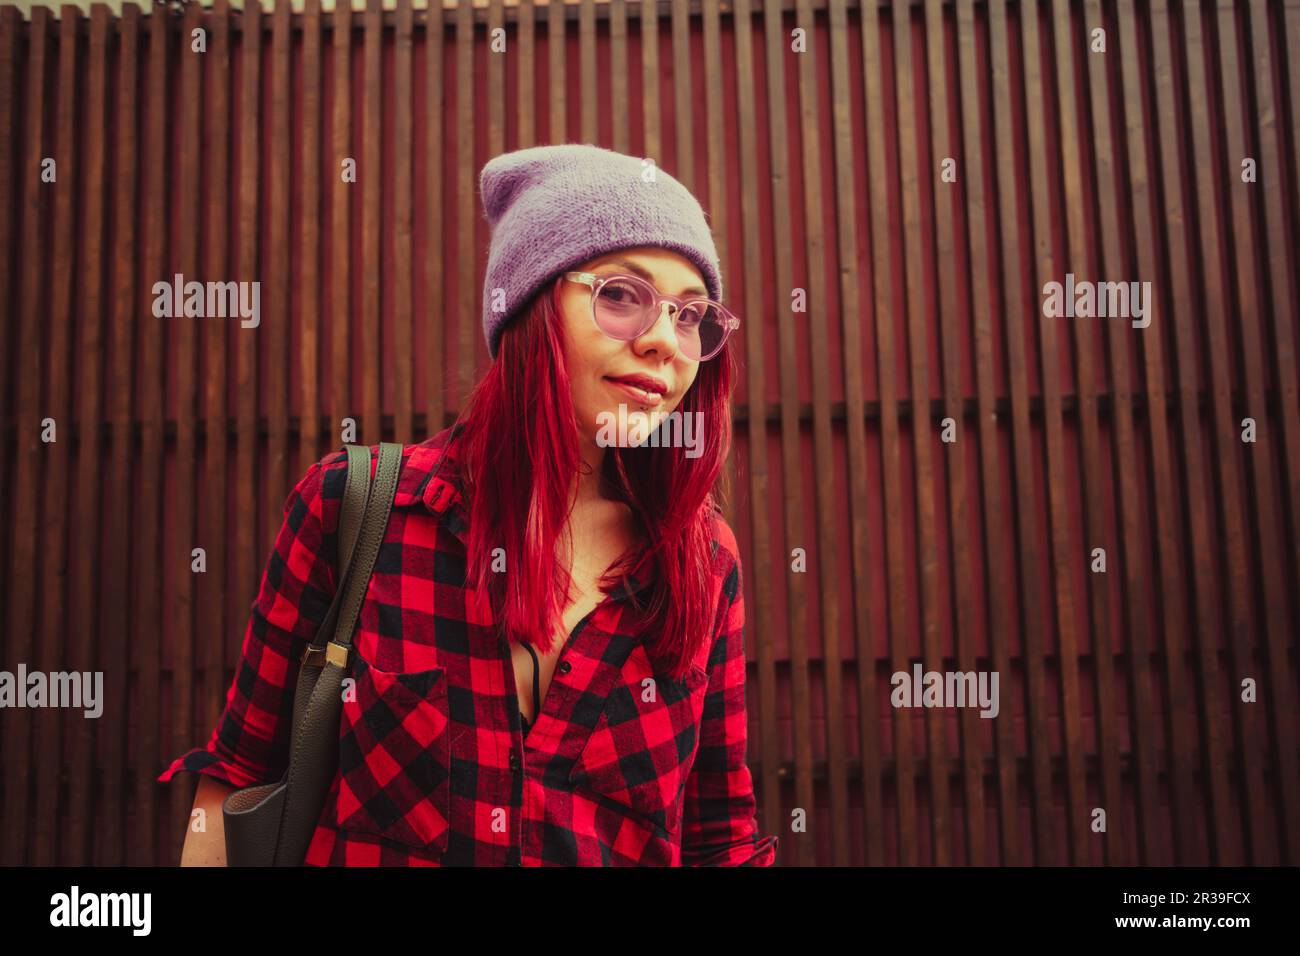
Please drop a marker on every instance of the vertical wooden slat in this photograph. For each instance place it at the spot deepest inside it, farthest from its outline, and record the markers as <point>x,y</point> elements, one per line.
<point>762,625</point>
<point>11,22</point>
<point>88,346</point>
<point>826,554</point>
<point>856,471</point>
<point>949,310</point>
<point>58,406</point>
<point>496,76</point>
<point>1105,264</point>
<point>717,155</point>
<point>371,185</point>
<point>556,56</point>
<point>148,370</point>
<point>273,332</point>
<point>918,350</point>
<point>983,271</point>
<point>309,242</point>
<point>620,101</point>
<point>179,532</point>
<point>30,453</point>
<point>215,640</point>
<point>401,370</point>
<point>791,440</point>
<point>1286,318</point>
<point>588,79</point>
<point>435,291</point>
<point>526,97</point>
<point>468,291</point>
<point>650,119</point>
<point>1242,619</point>
<point>1020,302</point>
<point>132,842</point>
<point>683,91</point>
<point>891,478</point>
<point>342,400</point>
<point>248,554</point>
<point>1252,293</point>
<point>1078,260</point>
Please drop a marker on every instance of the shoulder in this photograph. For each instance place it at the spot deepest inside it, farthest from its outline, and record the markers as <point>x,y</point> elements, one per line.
<point>421,461</point>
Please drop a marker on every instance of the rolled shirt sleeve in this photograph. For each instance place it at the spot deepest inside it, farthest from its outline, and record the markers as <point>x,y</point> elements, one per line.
<point>250,743</point>
<point>718,823</point>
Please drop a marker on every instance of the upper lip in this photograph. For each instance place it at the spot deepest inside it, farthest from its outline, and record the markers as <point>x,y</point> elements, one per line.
<point>647,383</point>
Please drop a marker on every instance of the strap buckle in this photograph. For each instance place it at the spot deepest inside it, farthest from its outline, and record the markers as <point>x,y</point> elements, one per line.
<point>330,653</point>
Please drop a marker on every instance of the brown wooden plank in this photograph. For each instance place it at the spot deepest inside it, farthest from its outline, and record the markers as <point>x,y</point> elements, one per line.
<point>273,332</point>
<point>399,367</point>
<point>650,81</point>
<point>29,451</point>
<point>877,116</point>
<point>1252,293</point>
<point>761,624</point>
<point>589,80</point>
<point>1228,447</point>
<point>437,309</point>
<point>496,76</point>
<point>1285,319</point>
<point>1152,849</point>
<point>620,101</point>
<point>249,551</point>
<point>717,155</point>
<point>215,638</point>
<point>684,91</point>
<point>526,98</point>
<point>826,554</point>
<point>83,846</point>
<point>791,439</point>
<point>923,470</point>
<point>1131,547</point>
<point>371,176</point>
<point>972,88</point>
<point>556,56</point>
<point>343,148</point>
<point>1191,847</point>
<point>179,494</point>
<point>950,313</point>
<point>11,22</point>
<point>846,162</point>
<point>310,447</point>
<point>468,292</point>
<point>148,477</point>
<point>1020,302</point>
<point>134,842</point>
<point>1080,258</point>
<point>52,648</point>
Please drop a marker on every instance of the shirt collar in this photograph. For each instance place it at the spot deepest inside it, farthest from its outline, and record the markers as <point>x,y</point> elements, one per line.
<point>431,476</point>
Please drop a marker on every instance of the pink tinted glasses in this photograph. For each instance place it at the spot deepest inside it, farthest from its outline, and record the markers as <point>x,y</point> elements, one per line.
<point>626,307</point>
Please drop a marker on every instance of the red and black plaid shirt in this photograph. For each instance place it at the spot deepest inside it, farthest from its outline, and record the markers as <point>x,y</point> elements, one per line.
<point>434,765</point>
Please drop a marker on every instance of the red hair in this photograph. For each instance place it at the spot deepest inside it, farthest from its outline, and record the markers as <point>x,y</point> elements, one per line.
<point>519,452</point>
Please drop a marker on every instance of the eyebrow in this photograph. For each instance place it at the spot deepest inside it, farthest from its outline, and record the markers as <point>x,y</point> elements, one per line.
<point>648,276</point>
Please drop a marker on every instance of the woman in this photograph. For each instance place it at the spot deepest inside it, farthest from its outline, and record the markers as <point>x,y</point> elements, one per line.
<point>549,663</point>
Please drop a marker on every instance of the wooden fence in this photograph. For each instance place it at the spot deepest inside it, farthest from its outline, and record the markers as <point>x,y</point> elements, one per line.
<point>957,466</point>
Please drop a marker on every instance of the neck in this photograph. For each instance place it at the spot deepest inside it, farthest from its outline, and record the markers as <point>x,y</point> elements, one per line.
<point>586,490</point>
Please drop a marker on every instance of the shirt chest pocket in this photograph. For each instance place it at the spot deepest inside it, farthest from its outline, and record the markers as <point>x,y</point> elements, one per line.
<point>395,757</point>
<point>640,752</point>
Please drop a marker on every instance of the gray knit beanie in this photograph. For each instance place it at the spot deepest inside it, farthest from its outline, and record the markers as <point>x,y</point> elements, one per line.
<point>552,208</point>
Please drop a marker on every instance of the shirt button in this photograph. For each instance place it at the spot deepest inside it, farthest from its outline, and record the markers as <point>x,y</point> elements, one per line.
<point>514,760</point>
<point>564,667</point>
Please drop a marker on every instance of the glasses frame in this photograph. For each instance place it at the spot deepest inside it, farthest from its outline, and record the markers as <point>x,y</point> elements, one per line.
<point>729,324</point>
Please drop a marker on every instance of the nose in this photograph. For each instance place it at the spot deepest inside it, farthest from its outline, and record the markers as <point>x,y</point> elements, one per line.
<point>660,338</point>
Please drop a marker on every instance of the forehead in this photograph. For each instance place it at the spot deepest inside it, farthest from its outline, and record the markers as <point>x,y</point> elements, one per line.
<point>669,271</point>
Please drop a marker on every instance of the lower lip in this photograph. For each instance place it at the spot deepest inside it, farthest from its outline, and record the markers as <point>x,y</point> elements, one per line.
<point>637,395</point>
